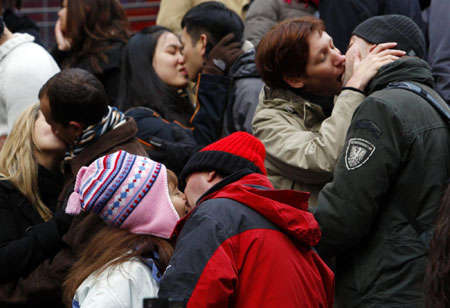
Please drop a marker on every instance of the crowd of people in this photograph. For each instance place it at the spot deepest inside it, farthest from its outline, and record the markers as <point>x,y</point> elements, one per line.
<point>230,156</point>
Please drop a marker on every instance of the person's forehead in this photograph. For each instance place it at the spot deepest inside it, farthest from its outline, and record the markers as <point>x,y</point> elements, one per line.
<point>317,39</point>
<point>168,39</point>
<point>195,177</point>
<point>185,35</point>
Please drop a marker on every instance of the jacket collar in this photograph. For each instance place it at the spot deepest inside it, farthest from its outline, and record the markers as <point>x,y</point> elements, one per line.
<point>244,66</point>
<point>287,100</point>
<point>403,69</point>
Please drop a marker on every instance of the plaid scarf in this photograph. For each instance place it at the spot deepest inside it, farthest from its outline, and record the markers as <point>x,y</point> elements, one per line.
<point>113,119</point>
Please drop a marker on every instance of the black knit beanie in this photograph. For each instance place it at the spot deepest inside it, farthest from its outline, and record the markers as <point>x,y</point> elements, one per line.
<point>2,26</point>
<point>393,28</point>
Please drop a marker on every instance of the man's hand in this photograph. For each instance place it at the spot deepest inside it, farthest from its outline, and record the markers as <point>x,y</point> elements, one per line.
<point>62,42</point>
<point>364,70</point>
<point>222,56</point>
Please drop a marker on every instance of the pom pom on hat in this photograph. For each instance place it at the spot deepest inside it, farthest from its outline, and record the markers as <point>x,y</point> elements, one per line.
<point>126,191</point>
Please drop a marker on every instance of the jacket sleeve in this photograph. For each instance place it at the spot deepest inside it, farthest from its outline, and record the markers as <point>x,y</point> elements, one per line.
<point>210,280</point>
<point>303,155</point>
<point>21,255</point>
<point>44,283</point>
<point>372,154</point>
<point>212,98</point>
<point>245,101</point>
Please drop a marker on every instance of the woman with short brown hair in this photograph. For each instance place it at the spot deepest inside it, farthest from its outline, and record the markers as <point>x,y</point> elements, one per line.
<point>300,121</point>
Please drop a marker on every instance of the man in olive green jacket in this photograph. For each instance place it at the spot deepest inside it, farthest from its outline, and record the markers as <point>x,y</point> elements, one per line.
<point>377,213</point>
<point>301,129</point>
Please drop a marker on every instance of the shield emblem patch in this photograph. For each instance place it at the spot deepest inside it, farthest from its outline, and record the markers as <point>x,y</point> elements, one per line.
<point>358,153</point>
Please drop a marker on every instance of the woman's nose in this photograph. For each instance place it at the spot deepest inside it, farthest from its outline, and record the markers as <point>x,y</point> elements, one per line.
<point>181,58</point>
<point>339,59</point>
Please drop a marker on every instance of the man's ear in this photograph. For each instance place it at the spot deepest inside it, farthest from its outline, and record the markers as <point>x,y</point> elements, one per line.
<point>213,177</point>
<point>203,41</point>
<point>295,82</point>
<point>76,128</point>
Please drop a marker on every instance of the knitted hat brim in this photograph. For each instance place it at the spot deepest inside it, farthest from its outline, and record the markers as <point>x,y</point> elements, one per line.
<point>222,162</point>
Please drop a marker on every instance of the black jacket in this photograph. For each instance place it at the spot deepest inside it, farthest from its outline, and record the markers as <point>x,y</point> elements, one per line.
<point>110,75</point>
<point>167,142</point>
<point>396,155</point>
<point>25,239</point>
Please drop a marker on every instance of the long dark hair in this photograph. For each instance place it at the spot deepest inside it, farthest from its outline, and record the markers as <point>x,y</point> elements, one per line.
<point>437,278</point>
<point>114,246</point>
<point>91,24</point>
<point>140,85</point>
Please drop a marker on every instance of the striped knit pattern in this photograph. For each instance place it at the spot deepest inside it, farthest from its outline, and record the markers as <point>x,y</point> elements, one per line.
<point>97,191</point>
<point>126,191</point>
<point>123,206</point>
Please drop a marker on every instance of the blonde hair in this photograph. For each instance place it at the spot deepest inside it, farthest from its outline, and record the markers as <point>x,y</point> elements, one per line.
<point>17,162</point>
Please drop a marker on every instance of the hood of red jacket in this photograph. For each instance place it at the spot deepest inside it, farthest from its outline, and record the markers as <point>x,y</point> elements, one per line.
<point>287,209</point>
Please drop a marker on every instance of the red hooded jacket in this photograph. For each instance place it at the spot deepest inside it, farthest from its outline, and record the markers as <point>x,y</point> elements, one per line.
<point>247,245</point>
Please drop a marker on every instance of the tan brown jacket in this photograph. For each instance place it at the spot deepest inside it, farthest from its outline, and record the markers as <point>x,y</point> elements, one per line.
<point>302,144</point>
<point>171,12</point>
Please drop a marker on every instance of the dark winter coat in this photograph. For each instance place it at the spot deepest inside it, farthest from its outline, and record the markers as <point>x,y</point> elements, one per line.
<point>110,75</point>
<point>396,154</point>
<point>25,239</point>
<point>167,142</point>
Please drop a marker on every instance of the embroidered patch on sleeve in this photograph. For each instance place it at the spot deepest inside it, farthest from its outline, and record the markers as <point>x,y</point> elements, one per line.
<point>358,153</point>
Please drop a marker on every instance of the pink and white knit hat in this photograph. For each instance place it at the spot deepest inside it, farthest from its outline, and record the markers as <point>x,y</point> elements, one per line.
<point>126,191</point>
